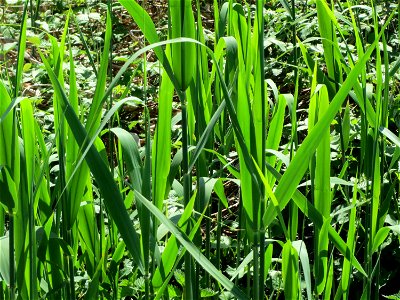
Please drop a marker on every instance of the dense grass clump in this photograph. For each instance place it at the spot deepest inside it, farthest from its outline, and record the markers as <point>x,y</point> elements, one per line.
<point>199,149</point>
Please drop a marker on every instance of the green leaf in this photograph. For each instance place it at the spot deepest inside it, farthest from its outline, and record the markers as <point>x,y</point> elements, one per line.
<point>8,190</point>
<point>301,249</point>
<point>390,135</point>
<point>192,249</point>
<point>321,258</point>
<point>290,271</point>
<point>5,261</point>
<point>346,127</point>
<point>380,237</point>
<point>131,156</point>
<point>145,23</point>
<point>299,164</point>
<point>183,55</point>
<point>161,156</point>
<point>170,253</point>
<point>105,180</point>
<point>311,212</point>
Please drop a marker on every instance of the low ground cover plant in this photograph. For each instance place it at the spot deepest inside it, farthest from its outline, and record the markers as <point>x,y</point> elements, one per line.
<point>199,149</point>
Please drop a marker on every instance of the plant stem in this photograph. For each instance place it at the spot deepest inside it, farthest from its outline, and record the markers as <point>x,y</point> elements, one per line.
<point>11,255</point>
<point>260,19</point>
<point>186,191</point>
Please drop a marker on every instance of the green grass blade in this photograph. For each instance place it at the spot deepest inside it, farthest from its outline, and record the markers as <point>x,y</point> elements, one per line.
<point>346,127</point>
<point>89,232</point>
<point>290,271</point>
<point>193,250</point>
<point>170,252</point>
<point>21,51</point>
<point>380,237</point>
<point>299,164</point>
<point>101,172</point>
<point>9,145</point>
<point>329,41</point>
<point>77,176</point>
<point>275,131</point>
<point>145,23</point>
<point>10,166</point>
<point>206,135</point>
<point>390,135</point>
<point>311,212</point>
<point>183,55</point>
<point>162,142</point>
<point>131,156</point>
<point>5,262</point>
<point>301,249</point>
<point>351,242</point>
<point>322,197</point>
<point>28,134</point>
<point>321,258</point>
<point>94,117</point>
<point>329,282</point>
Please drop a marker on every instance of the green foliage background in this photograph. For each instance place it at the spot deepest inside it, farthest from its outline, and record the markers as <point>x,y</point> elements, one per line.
<point>199,149</point>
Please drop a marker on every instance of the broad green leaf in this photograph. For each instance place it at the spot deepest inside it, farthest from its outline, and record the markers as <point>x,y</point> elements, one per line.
<point>26,206</point>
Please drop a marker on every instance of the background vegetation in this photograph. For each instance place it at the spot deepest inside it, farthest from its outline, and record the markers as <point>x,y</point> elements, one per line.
<point>199,149</point>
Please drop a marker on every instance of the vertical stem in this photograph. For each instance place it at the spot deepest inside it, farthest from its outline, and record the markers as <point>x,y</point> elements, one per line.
<point>11,255</point>
<point>293,220</point>
<point>32,245</point>
<point>111,148</point>
<point>207,241</point>
<point>186,191</point>
<point>219,232</point>
<point>248,275</point>
<point>147,194</point>
<point>3,287</point>
<point>146,189</point>
<point>256,266</point>
<point>66,226</point>
<point>239,238</point>
<point>110,102</point>
<point>71,265</point>
<point>260,19</point>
